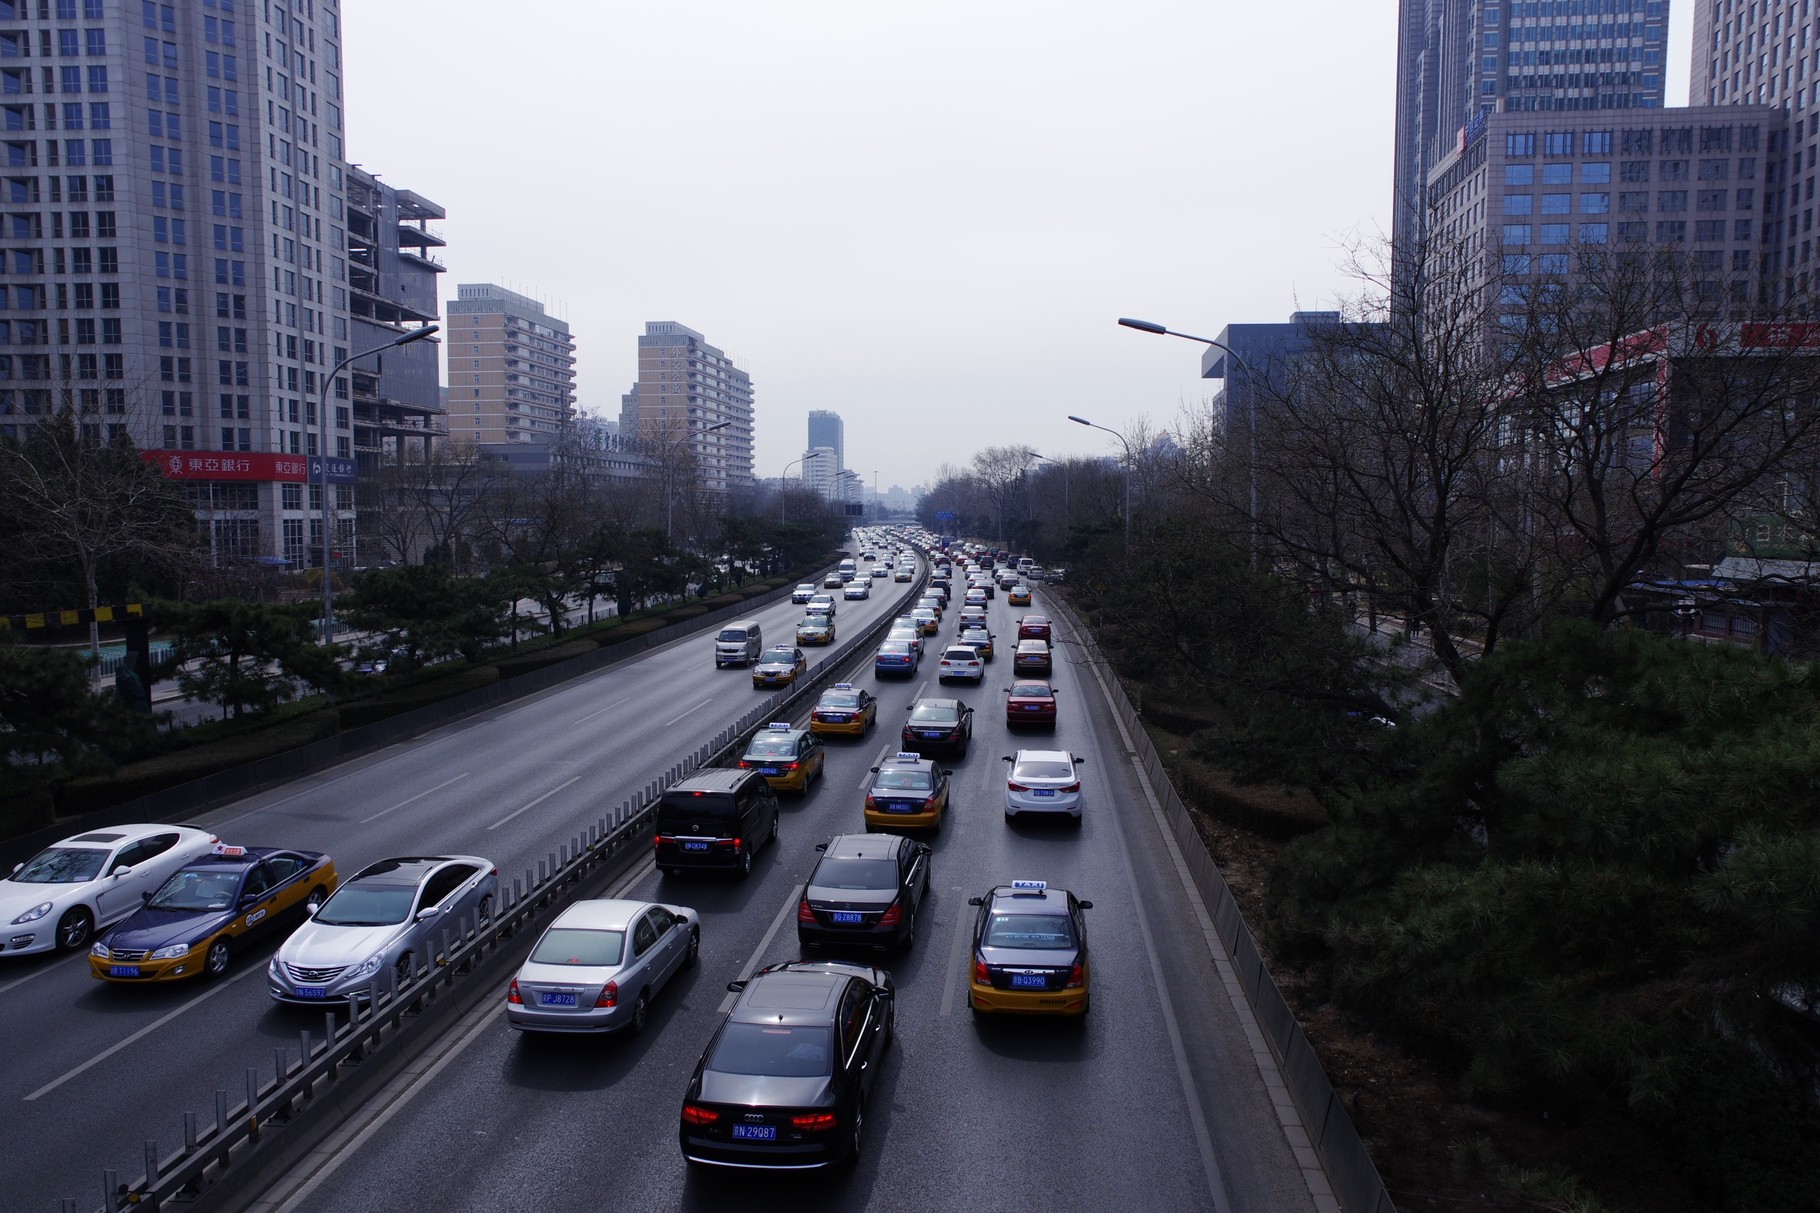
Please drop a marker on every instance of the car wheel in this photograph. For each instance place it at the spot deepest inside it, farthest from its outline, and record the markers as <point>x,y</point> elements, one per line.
<point>74,929</point>
<point>317,896</point>
<point>856,1139</point>
<point>909,937</point>
<point>745,858</point>
<point>641,1011</point>
<point>693,956</point>
<point>402,970</point>
<point>220,954</point>
<point>486,908</point>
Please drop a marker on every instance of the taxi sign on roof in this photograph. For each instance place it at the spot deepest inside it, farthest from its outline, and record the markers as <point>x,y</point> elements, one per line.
<point>1029,886</point>
<point>227,852</point>
<point>843,686</point>
<point>779,726</point>
<point>907,756</point>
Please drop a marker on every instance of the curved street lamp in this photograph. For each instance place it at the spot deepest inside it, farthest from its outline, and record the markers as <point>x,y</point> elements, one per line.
<point>783,502</point>
<point>1129,460</point>
<point>670,450</point>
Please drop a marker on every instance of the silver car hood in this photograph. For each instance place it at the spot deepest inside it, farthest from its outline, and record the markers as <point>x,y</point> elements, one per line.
<point>317,945</point>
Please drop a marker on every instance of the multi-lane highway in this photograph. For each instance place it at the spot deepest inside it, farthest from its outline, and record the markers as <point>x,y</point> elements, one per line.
<point>1154,1100</point>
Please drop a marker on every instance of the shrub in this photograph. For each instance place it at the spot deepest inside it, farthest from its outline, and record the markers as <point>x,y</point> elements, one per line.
<point>524,663</point>
<point>195,762</point>
<point>418,694</point>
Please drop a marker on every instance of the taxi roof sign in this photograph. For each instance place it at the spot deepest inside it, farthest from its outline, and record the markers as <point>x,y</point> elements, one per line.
<point>226,851</point>
<point>1029,886</point>
<point>906,756</point>
<point>779,726</point>
<point>842,686</point>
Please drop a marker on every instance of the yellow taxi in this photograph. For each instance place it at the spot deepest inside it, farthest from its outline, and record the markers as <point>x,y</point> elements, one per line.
<point>815,629</point>
<point>786,756</point>
<point>1018,595</point>
<point>927,620</point>
<point>1029,952</point>
<point>844,709</point>
<point>192,925</point>
<point>908,792</point>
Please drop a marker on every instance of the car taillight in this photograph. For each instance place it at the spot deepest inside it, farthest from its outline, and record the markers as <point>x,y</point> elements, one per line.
<point>790,766</point>
<point>744,765</point>
<point>1018,787</point>
<point>1073,787</point>
<point>609,995</point>
<point>814,1122</point>
<point>1076,978</point>
<point>732,843</point>
<point>871,802</point>
<point>803,912</point>
<point>513,996</point>
<point>695,1114</point>
<point>891,917</point>
<point>981,974</point>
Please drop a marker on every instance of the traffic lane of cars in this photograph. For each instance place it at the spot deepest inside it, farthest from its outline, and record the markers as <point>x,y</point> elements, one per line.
<point>477,775</point>
<point>1077,1086</point>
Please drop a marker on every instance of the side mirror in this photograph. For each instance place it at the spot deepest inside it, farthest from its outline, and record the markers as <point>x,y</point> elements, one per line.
<point>1005,758</point>
<point>16,868</point>
<point>1086,905</point>
<point>146,896</point>
<point>122,870</point>
<point>310,908</point>
<point>1078,760</point>
<point>976,901</point>
<point>425,915</point>
<point>735,986</point>
<point>945,771</point>
<point>821,846</point>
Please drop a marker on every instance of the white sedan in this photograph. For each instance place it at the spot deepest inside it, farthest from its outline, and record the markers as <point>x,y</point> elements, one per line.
<point>1043,781</point>
<point>59,897</point>
<point>858,589</point>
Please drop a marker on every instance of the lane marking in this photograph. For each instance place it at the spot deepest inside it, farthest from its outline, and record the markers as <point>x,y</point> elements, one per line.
<point>698,707</point>
<point>147,1030</point>
<point>726,1004</point>
<point>361,769</point>
<point>591,715</point>
<point>515,812</point>
<point>865,779</point>
<point>954,956</point>
<point>412,800</point>
<point>19,981</point>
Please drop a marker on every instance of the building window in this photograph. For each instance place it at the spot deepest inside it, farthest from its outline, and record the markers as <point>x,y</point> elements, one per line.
<point>1594,233</point>
<point>1519,174</point>
<point>1519,146</point>
<point>1558,143</point>
<point>1634,170</point>
<point>1671,230</point>
<point>1596,143</point>
<point>1595,204</point>
<point>1556,204</point>
<point>1671,200</point>
<point>1554,233</point>
<point>1596,172</point>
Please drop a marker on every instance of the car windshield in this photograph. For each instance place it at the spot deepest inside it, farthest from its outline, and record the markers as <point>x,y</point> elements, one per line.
<point>907,780</point>
<point>62,865</point>
<point>1043,768</point>
<point>1032,690</point>
<point>197,891</point>
<point>575,946</point>
<point>773,1050</point>
<point>784,655</point>
<point>1037,932</point>
<point>938,712</point>
<point>771,747</point>
<point>368,904</point>
<point>738,634</point>
<point>833,873</point>
<point>813,622</point>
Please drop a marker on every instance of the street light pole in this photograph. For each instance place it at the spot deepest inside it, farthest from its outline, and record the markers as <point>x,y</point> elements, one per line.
<point>783,502</point>
<point>1129,460</point>
<point>1251,410</point>
<point>322,467</point>
<point>1066,519</point>
<point>670,476</point>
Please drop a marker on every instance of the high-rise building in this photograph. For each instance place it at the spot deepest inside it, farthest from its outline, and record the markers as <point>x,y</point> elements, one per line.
<point>1764,53</point>
<point>392,288</point>
<point>1459,61</point>
<point>826,429</point>
<point>821,469</point>
<point>685,386</point>
<point>511,367</point>
<point>175,259</point>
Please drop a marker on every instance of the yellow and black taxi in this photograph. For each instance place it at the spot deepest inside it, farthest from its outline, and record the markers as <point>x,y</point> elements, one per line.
<point>977,638</point>
<point>815,629</point>
<point>908,792</point>
<point>1029,952</point>
<point>845,709</point>
<point>209,907</point>
<point>788,757</point>
<point>780,666</point>
<point>1018,595</point>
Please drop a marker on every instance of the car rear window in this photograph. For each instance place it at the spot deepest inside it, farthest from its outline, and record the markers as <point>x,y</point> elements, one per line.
<point>908,780</point>
<point>1035,932</point>
<point>1042,768</point>
<point>679,808</point>
<point>894,646</point>
<point>773,1050</point>
<point>1032,690</point>
<point>576,946</point>
<point>960,653</point>
<point>772,747</point>
<point>840,699</point>
<point>935,712</point>
<point>833,873</point>
<point>367,904</point>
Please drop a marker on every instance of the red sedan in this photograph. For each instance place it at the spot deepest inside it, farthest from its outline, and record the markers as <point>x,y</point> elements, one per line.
<point>1033,627</point>
<point>1030,703</point>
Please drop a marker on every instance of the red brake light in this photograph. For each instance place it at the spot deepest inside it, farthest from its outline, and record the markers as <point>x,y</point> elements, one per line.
<point>871,803</point>
<point>744,765</point>
<point>790,766</point>
<point>803,912</point>
<point>1076,978</point>
<point>609,995</point>
<point>1073,787</point>
<point>695,1114</point>
<point>891,917</point>
<point>814,1122</point>
<point>512,994</point>
<point>981,974</point>
<point>1017,787</point>
<point>727,842</point>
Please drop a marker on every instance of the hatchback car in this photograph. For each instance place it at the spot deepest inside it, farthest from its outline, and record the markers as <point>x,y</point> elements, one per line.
<point>864,892</point>
<point>1031,657</point>
<point>599,965</point>
<point>382,924</point>
<point>938,724</point>
<point>895,657</point>
<point>56,899</point>
<point>844,708</point>
<point>1033,627</point>
<point>208,908</point>
<point>907,792</point>
<point>787,757</point>
<point>784,1081</point>
<point>1029,952</point>
<point>1030,702</point>
<point>1044,782</point>
<point>781,665</point>
<point>961,663</point>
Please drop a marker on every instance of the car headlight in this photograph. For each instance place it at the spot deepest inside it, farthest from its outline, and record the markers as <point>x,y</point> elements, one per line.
<point>170,953</point>
<point>272,969</point>
<point>367,967</point>
<point>35,913</point>
<point>100,951</point>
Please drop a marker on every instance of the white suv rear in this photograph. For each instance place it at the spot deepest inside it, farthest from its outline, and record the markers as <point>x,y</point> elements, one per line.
<point>1043,781</point>
<point>961,661</point>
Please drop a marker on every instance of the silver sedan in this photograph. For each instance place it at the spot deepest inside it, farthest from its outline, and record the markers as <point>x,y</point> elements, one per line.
<point>600,963</point>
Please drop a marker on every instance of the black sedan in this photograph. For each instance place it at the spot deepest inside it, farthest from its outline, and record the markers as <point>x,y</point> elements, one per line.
<point>865,891</point>
<point>784,1081</point>
<point>939,724</point>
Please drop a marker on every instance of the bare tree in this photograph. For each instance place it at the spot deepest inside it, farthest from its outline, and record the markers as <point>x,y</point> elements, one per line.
<point>429,505</point>
<point>998,472</point>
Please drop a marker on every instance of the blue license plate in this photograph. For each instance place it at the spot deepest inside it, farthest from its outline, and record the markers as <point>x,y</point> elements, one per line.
<point>847,918</point>
<point>900,806</point>
<point>835,719</point>
<point>754,1132</point>
<point>1029,981</point>
<point>767,770</point>
<point>312,991</point>
<point>690,845</point>
<point>932,736</point>
<point>1043,793</point>
<point>556,1000</point>
<point>123,970</point>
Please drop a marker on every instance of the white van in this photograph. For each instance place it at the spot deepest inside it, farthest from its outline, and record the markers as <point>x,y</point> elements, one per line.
<point>848,571</point>
<point>738,643</point>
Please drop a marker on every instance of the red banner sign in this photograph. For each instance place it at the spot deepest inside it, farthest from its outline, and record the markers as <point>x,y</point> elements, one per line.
<point>247,465</point>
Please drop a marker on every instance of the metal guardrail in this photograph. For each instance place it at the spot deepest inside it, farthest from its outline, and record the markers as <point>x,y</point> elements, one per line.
<point>1356,1183</point>
<point>214,1165</point>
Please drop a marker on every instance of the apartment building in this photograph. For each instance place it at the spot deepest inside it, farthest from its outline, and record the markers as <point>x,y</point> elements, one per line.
<point>511,367</point>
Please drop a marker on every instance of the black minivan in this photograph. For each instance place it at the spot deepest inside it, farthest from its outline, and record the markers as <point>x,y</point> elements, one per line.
<point>715,819</point>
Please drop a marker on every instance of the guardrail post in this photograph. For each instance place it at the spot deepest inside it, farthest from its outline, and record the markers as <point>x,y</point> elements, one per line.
<point>517,892</point>
<point>110,1188</point>
<point>220,1113</point>
<point>151,1163</point>
<point>252,1096</point>
<point>189,1131</point>
<point>540,872</point>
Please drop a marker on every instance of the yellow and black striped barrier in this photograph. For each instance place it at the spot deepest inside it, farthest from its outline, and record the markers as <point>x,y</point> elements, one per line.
<point>65,619</point>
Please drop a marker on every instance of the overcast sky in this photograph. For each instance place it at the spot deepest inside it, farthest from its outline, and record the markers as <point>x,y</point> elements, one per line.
<point>926,217</point>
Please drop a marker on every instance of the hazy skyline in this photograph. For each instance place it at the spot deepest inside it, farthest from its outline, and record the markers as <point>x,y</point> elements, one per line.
<point>927,219</point>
